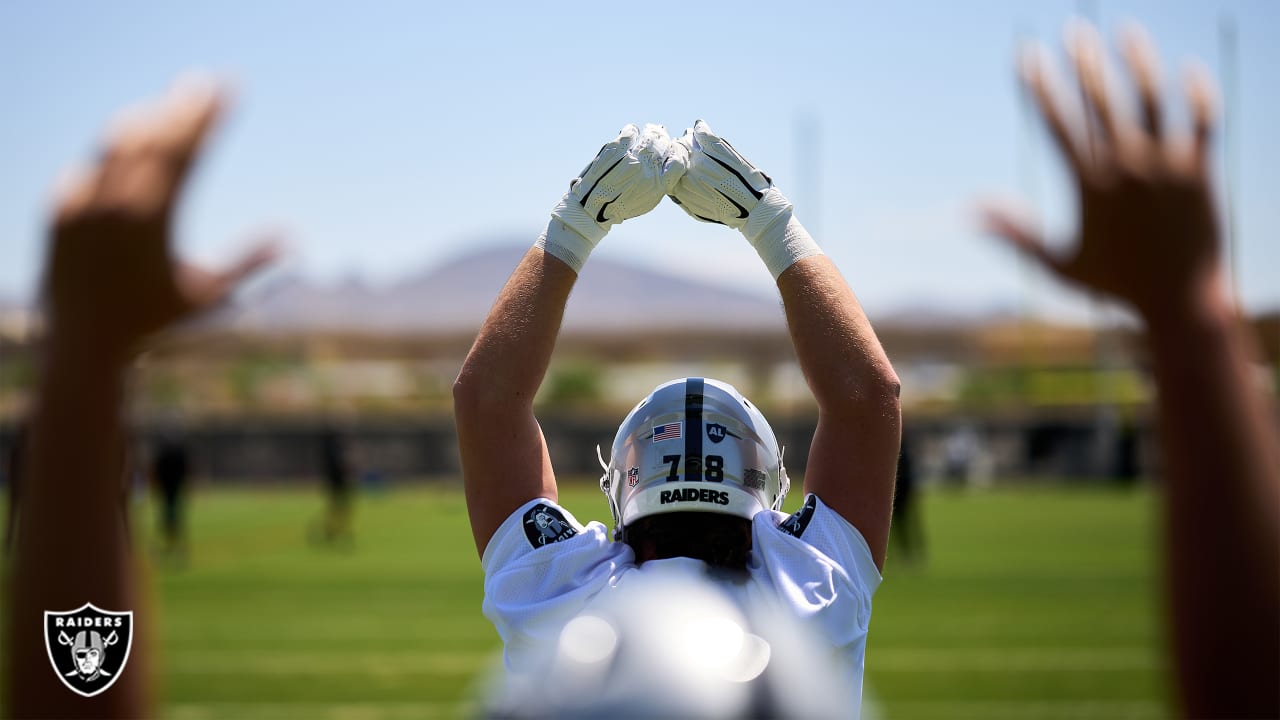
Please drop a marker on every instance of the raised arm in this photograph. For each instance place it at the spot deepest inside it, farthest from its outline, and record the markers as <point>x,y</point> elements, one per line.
<point>110,282</point>
<point>504,456</point>
<point>1149,236</point>
<point>853,458</point>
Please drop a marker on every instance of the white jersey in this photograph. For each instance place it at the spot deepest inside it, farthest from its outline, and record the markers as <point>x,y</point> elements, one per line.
<point>542,568</point>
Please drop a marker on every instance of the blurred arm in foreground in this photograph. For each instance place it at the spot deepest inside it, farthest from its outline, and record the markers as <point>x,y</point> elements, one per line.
<point>110,283</point>
<point>1149,236</point>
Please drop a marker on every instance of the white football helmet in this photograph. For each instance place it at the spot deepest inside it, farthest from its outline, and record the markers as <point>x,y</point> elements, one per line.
<point>693,445</point>
<point>635,652</point>
<point>663,644</point>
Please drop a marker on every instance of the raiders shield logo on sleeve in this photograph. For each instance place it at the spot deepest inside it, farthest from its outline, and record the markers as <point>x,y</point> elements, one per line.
<point>544,524</point>
<point>88,646</point>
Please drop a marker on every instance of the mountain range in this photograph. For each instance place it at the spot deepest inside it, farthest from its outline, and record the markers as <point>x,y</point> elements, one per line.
<point>454,297</point>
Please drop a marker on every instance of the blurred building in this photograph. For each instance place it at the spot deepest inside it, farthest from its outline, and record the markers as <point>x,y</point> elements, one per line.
<point>258,379</point>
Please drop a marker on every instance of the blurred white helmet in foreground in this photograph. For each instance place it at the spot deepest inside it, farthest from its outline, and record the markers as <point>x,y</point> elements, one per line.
<point>661,645</point>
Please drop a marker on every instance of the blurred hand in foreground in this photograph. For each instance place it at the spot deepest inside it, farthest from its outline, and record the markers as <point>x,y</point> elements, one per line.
<point>110,281</point>
<point>1149,236</point>
<point>1148,232</point>
<point>111,277</point>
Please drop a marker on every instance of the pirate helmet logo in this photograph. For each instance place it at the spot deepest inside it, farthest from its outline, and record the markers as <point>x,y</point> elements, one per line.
<point>88,647</point>
<point>544,524</point>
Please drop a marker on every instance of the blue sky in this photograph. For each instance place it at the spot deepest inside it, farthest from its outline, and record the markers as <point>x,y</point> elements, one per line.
<point>387,137</point>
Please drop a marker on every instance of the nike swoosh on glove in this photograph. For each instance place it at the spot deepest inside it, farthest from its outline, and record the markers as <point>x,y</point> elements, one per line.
<point>720,185</point>
<point>624,181</point>
<point>627,178</point>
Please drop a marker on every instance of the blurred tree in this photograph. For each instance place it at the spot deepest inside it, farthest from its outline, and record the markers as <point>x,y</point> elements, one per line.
<point>576,384</point>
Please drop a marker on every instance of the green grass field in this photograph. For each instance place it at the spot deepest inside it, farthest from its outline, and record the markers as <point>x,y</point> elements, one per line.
<point>1033,603</point>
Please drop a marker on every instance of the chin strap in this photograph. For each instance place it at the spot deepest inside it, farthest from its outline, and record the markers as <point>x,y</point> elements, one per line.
<point>784,482</point>
<point>606,487</point>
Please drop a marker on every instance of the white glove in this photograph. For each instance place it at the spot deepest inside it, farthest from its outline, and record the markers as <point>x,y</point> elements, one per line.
<point>626,179</point>
<point>721,186</point>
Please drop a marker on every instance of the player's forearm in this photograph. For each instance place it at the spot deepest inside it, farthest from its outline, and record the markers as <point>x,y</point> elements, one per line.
<point>1222,474</point>
<point>857,393</point>
<point>73,544</point>
<point>493,395</point>
<point>510,356</point>
<point>842,359</point>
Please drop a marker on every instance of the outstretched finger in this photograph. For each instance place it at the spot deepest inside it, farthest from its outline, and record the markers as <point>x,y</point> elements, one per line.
<point>1089,57</point>
<point>262,254</point>
<point>202,288</point>
<point>73,192</point>
<point>1037,75</point>
<point>191,109</point>
<point>1020,231</point>
<point>1200,93</point>
<point>1144,65</point>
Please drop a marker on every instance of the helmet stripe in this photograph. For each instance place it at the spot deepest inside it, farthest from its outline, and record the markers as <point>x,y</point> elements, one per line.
<point>693,389</point>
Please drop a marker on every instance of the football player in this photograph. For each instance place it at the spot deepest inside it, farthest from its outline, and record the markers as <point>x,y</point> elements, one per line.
<point>696,480</point>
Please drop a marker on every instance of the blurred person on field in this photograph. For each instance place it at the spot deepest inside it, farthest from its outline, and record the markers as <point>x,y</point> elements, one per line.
<point>695,480</point>
<point>908,528</point>
<point>111,281</point>
<point>170,469</point>
<point>13,470</point>
<point>335,467</point>
<point>959,451</point>
<point>1150,236</point>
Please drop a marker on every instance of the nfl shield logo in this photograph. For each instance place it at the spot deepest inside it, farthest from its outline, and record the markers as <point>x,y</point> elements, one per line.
<point>88,646</point>
<point>633,476</point>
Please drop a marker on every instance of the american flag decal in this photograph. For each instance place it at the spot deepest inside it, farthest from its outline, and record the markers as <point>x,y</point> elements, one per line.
<point>670,431</point>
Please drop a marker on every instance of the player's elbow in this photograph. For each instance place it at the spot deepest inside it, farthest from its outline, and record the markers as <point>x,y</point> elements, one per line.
<point>891,386</point>
<point>878,393</point>
<point>466,395</point>
<point>474,397</point>
<point>886,390</point>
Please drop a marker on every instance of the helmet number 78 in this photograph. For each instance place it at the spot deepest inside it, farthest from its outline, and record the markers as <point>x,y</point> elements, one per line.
<point>713,468</point>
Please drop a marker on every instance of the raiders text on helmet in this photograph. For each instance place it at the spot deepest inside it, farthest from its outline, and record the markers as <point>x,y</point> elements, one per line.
<point>693,445</point>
